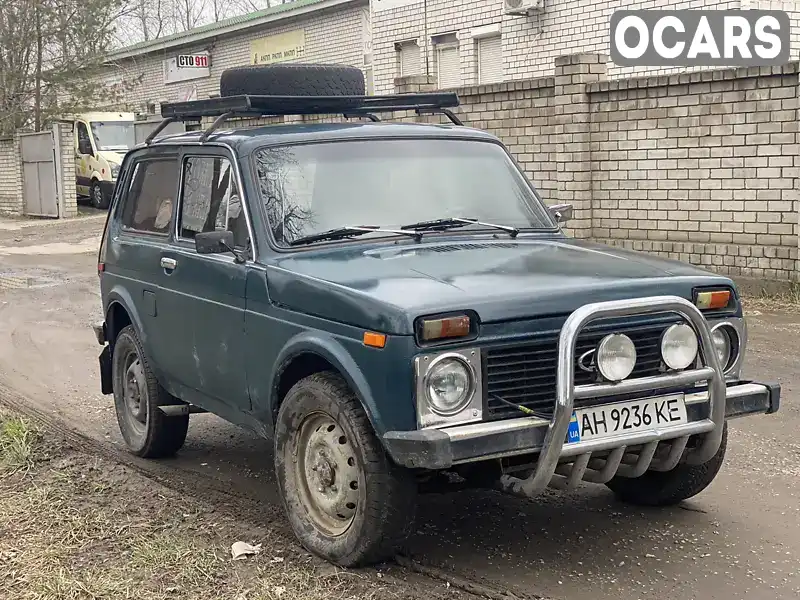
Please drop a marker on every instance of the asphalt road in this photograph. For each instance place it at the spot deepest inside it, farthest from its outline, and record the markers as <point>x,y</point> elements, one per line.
<point>739,539</point>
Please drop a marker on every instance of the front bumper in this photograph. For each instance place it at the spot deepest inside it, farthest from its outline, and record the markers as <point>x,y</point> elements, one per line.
<point>444,448</point>
<point>564,465</point>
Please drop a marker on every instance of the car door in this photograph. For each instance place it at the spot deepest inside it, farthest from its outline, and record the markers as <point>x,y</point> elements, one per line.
<point>206,293</point>
<point>138,236</point>
<point>84,154</point>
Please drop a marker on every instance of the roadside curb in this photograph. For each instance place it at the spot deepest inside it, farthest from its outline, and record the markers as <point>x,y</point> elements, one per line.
<point>18,224</point>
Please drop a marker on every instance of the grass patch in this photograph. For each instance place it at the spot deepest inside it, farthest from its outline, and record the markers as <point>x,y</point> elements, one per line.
<point>76,527</point>
<point>17,438</point>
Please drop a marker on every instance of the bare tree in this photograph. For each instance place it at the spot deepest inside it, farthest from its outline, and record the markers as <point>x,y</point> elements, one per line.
<point>147,20</point>
<point>48,51</point>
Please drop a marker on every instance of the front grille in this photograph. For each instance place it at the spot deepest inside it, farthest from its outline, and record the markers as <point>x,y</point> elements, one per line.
<point>525,373</point>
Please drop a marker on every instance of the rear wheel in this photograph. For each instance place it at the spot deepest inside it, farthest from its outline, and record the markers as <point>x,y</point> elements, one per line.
<point>666,488</point>
<point>147,431</point>
<point>344,498</point>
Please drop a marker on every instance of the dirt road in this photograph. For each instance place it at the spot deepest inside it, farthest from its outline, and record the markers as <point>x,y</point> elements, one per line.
<point>739,539</point>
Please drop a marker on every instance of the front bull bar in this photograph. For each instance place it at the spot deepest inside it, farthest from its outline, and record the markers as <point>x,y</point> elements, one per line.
<point>566,392</point>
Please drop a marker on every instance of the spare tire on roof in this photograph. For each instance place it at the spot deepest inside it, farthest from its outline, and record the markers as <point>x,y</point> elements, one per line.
<point>292,79</point>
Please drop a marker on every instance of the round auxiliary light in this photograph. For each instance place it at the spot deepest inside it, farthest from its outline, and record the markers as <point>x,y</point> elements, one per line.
<point>616,356</point>
<point>679,346</point>
<point>449,385</point>
<point>723,344</point>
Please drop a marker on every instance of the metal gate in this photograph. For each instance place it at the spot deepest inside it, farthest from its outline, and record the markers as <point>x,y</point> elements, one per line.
<point>39,174</point>
<point>141,129</point>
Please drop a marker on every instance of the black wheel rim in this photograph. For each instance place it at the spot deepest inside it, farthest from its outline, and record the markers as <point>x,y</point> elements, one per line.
<point>97,195</point>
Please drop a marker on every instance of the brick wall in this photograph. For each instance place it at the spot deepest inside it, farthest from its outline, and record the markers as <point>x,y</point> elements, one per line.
<point>530,43</point>
<point>701,167</point>
<point>10,176</point>
<point>332,36</point>
<point>68,193</point>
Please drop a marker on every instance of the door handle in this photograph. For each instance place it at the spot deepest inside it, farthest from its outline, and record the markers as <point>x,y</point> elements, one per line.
<point>168,263</point>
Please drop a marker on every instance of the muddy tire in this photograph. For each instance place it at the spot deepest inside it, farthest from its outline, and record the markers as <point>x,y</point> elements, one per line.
<point>657,488</point>
<point>97,197</point>
<point>147,431</point>
<point>344,498</point>
<point>293,79</point>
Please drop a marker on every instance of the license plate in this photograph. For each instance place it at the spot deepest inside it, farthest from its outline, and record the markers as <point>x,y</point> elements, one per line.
<point>621,418</point>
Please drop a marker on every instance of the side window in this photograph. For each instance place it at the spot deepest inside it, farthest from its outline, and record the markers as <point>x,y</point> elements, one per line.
<point>151,196</point>
<point>211,200</point>
<point>84,143</point>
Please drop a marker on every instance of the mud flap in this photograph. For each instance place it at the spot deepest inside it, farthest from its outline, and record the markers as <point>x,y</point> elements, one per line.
<point>106,386</point>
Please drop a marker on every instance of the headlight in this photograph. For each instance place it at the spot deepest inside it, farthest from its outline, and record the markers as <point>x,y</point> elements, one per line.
<point>616,357</point>
<point>114,171</point>
<point>449,385</point>
<point>723,344</point>
<point>679,346</point>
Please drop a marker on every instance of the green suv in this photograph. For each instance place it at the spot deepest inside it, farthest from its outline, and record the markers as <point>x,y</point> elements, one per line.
<point>395,305</point>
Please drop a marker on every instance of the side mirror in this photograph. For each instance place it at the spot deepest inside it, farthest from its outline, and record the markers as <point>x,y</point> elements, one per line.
<point>214,242</point>
<point>561,212</point>
<point>85,147</point>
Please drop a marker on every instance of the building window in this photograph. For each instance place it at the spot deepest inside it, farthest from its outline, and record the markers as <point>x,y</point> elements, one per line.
<point>408,59</point>
<point>490,59</point>
<point>448,65</point>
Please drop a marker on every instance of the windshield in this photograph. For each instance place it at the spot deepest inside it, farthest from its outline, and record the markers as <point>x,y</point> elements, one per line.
<point>312,188</point>
<point>113,135</point>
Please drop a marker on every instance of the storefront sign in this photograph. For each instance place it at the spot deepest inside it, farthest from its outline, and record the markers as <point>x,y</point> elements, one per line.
<point>187,66</point>
<point>278,48</point>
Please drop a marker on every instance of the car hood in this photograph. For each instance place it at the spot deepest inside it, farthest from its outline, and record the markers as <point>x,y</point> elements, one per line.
<point>387,288</point>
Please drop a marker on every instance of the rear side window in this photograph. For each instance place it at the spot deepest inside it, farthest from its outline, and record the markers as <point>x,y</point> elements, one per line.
<point>211,200</point>
<point>151,196</point>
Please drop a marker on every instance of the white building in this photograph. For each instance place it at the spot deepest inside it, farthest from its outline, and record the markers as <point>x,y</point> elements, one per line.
<point>467,42</point>
<point>454,42</point>
<point>188,65</point>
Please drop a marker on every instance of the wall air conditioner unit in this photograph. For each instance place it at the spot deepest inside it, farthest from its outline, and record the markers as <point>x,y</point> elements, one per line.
<point>522,7</point>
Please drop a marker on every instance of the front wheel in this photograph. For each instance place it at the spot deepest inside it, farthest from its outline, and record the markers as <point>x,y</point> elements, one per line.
<point>666,488</point>
<point>344,498</point>
<point>97,197</point>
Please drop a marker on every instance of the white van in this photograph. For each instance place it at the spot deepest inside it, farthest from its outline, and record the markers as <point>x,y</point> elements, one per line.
<point>101,140</point>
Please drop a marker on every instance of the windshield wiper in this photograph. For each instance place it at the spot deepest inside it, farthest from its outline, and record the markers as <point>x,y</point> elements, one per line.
<point>349,231</point>
<point>452,223</point>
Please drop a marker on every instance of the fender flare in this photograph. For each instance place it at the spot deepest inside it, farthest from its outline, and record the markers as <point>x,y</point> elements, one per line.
<point>328,347</point>
<point>119,295</point>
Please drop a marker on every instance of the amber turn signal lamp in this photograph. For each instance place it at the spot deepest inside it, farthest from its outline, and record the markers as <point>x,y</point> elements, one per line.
<point>450,327</point>
<point>375,340</point>
<point>711,300</point>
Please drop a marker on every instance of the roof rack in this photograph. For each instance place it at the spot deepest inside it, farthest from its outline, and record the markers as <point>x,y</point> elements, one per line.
<point>226,107</point>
